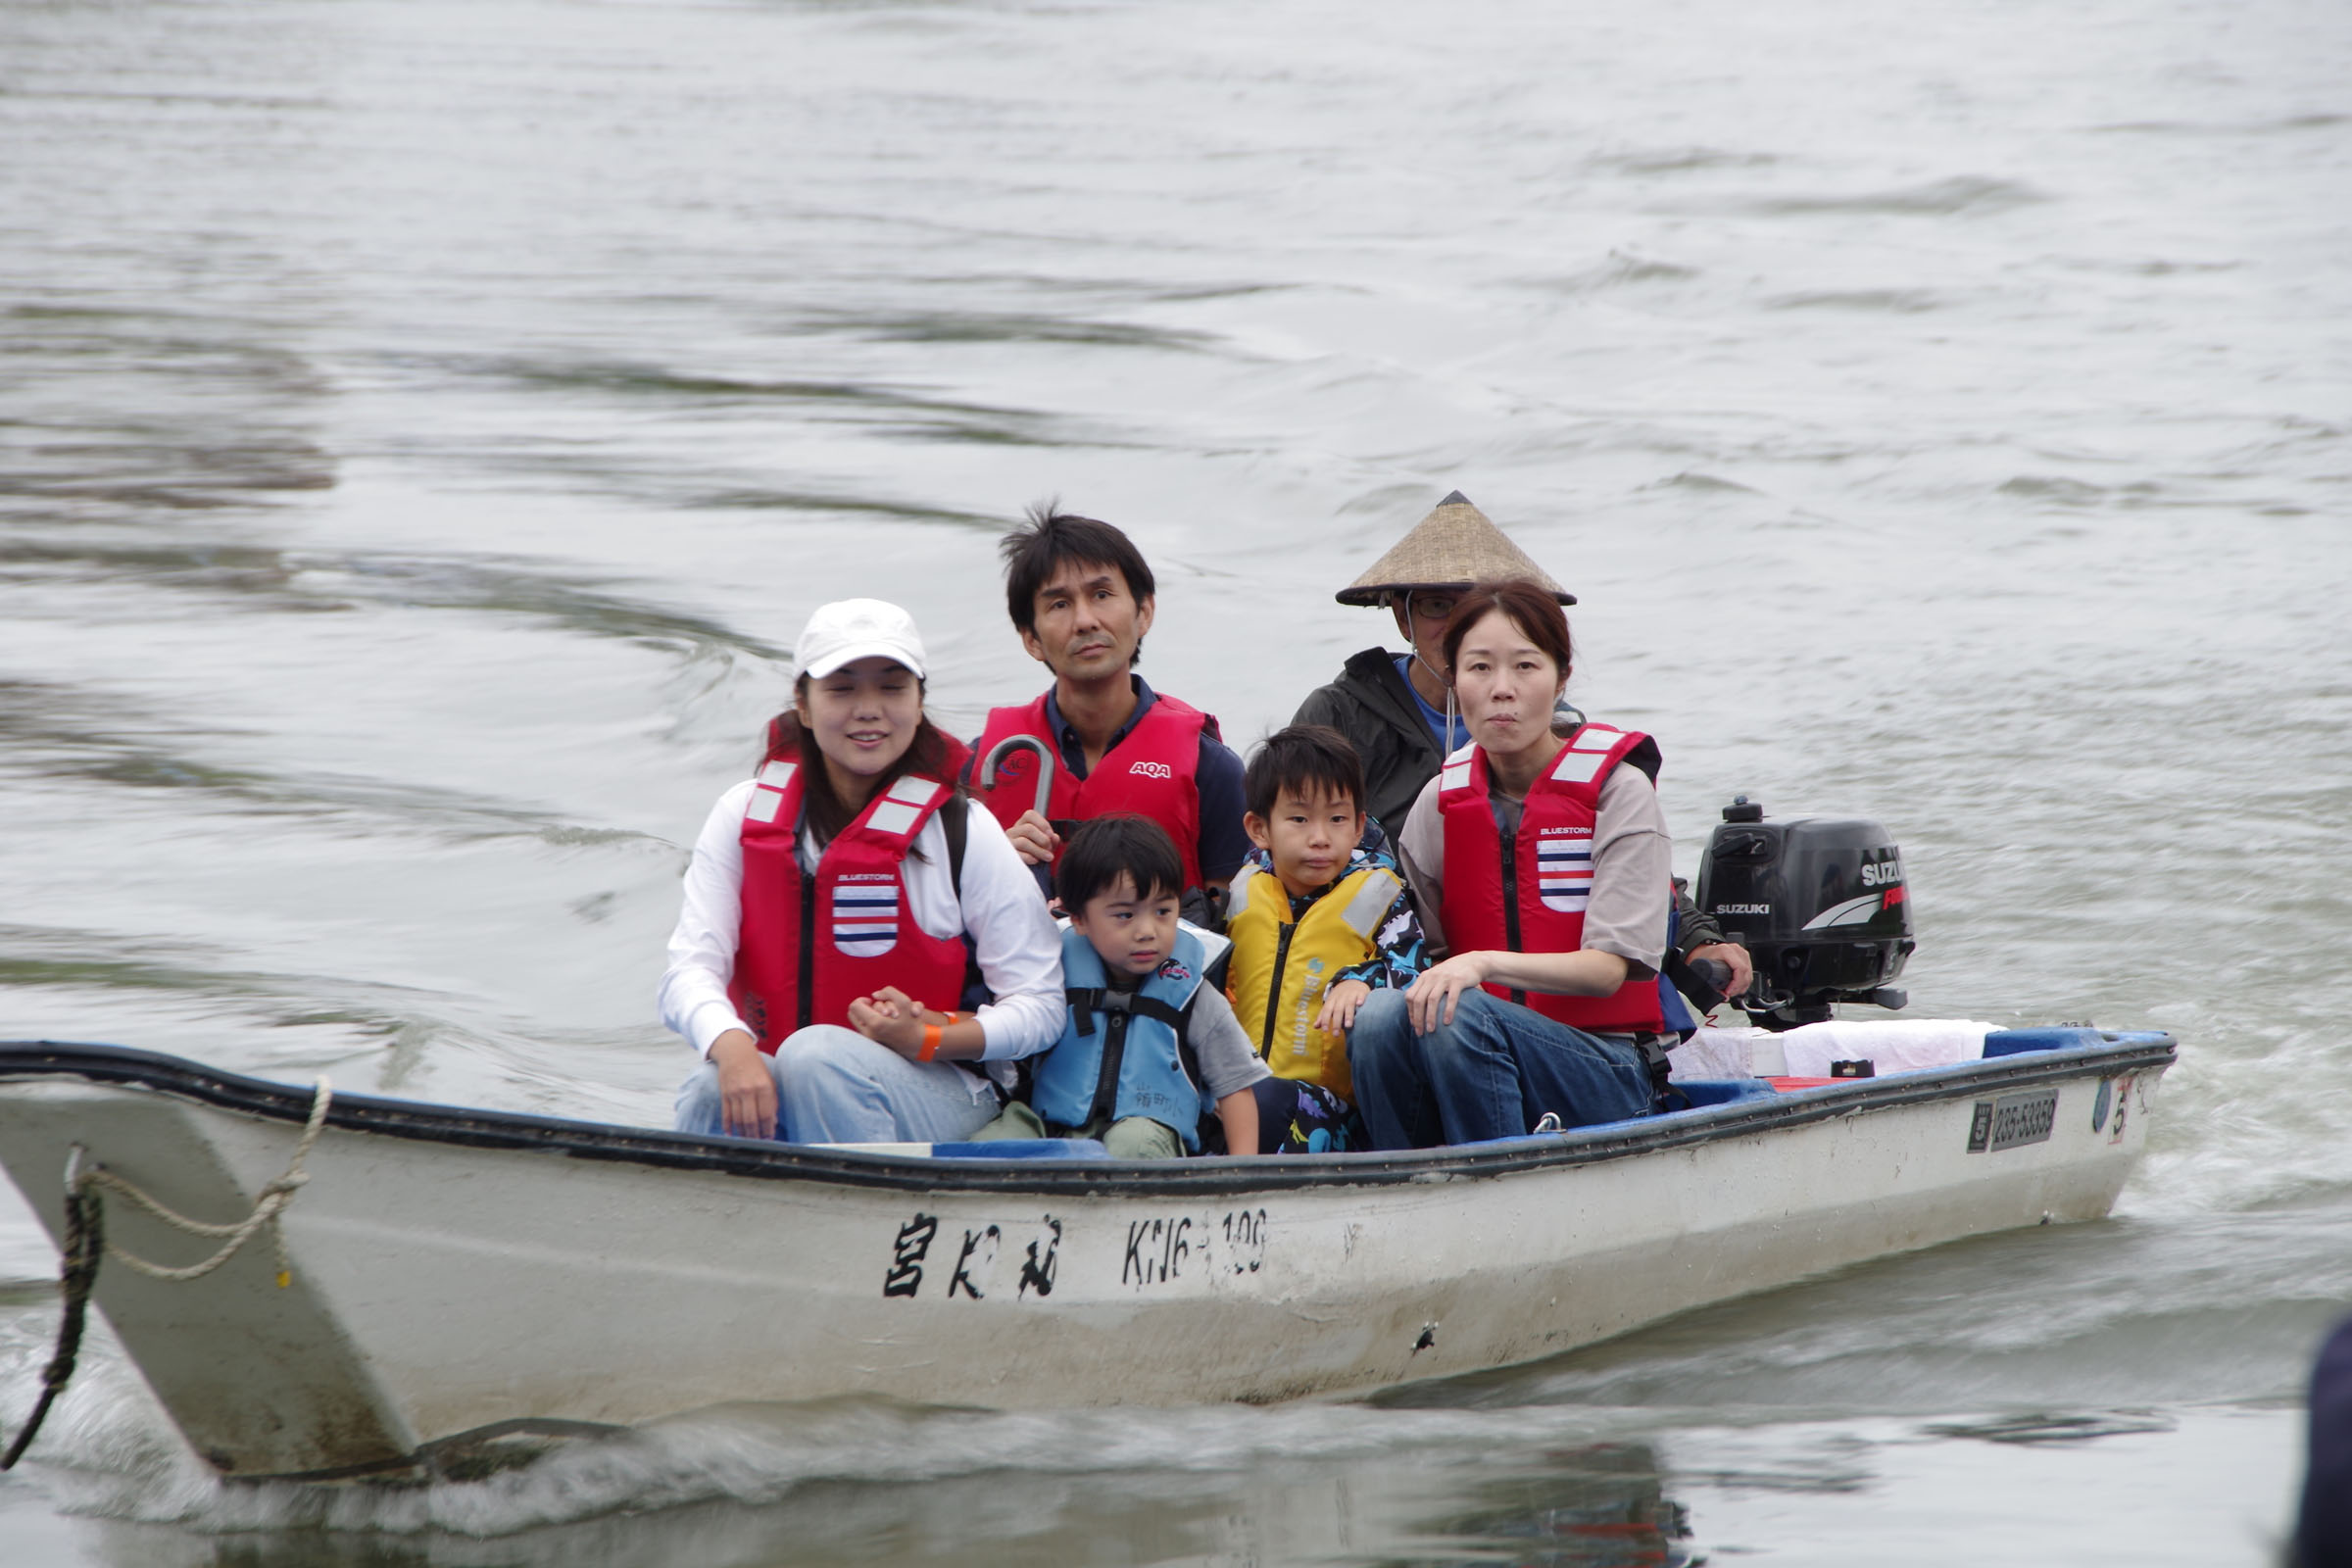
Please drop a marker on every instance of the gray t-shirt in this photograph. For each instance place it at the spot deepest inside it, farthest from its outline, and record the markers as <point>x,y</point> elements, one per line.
<point>1228,1061</point>
<point>1632,867</point>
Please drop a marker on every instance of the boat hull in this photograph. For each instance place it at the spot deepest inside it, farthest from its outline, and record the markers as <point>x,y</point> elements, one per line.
<point>458,1272</point>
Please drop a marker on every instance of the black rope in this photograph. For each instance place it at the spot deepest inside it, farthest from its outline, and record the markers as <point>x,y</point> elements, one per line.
<point>85,1245</point>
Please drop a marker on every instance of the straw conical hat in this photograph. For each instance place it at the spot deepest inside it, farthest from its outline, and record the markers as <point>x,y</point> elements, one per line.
<point>1454,547</point>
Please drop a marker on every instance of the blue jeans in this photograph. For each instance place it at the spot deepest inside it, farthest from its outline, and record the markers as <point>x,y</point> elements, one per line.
<point>835,1086</point>
<point>1491,1073</point>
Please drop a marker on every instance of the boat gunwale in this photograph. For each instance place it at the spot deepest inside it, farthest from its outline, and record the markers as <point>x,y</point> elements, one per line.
<point>465,1127</point>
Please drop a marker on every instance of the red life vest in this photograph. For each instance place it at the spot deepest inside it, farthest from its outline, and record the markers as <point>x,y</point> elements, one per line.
<point>1526,893</point>
<point>811,943</point>
<point>1151,772</point>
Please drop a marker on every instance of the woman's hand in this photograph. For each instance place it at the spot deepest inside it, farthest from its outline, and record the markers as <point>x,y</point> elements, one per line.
<point>889,1017</point>
<point>1338,1006</point>
<point>747,1090</point>
<point>1431,998</point>
<point>1034,838</point>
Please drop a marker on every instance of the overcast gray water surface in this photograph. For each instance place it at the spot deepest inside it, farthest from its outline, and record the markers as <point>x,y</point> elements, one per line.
<point>424,427</point>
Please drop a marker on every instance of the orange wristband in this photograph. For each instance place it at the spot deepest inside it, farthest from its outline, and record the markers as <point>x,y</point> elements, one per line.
<point>931,1038</point>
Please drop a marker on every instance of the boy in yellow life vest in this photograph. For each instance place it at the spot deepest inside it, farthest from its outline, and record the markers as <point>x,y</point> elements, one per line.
<point>1319,918</point>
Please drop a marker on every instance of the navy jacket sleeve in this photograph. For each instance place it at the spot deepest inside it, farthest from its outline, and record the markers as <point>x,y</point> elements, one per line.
<point>1224,844</point>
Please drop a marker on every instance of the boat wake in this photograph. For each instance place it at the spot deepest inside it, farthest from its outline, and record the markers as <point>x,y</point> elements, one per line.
<point>110,1454</point>
<point>2096,1319</point>
<point>2056,1357</point>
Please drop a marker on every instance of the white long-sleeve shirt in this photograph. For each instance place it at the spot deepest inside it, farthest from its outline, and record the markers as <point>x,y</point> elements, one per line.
<point>1014,938</point>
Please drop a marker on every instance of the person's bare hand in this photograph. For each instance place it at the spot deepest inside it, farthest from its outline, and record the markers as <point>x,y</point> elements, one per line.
<point>746,1091</point>
<point>1338,1006</point>
<point>889,1017</point>
<point>1733,956</point>
<point>1430,1000</point>
<point>1033,838</point>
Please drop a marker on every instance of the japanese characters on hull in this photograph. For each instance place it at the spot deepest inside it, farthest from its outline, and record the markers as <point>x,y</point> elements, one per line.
<point>1022,1258</point>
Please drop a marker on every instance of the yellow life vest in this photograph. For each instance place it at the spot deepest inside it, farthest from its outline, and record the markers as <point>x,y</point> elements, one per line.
<point>1280,968</point>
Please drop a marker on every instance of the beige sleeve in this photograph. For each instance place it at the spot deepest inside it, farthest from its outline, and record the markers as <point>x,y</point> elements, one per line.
<point>1633,871</point>
<point>1421,856</point>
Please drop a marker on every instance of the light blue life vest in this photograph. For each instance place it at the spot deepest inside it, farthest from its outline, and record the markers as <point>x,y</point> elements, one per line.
<point>1140,1044</point>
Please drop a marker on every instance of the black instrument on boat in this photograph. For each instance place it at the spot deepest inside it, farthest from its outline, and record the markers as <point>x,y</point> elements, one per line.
<point>1819,903</point>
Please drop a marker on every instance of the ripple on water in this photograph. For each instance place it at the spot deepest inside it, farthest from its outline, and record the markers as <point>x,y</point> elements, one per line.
<point>1886,301</point>
<point>1681,160</point>
<point>108,1457</point>
<point>2030,1320</point>
<point>1939,198</point>
<point>1616,271</point>
<point>299,580</point>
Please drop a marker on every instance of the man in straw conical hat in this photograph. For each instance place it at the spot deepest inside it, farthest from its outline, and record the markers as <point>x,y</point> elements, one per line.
<point>1392,708</point>
<point>1396,709</point>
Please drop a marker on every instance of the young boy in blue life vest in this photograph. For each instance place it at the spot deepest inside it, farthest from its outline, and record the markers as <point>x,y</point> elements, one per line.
<point>1150,1044</point>
<point>1319,918</point>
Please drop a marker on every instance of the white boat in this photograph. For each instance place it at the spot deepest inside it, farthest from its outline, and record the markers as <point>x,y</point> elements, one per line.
<point>457,1275</point>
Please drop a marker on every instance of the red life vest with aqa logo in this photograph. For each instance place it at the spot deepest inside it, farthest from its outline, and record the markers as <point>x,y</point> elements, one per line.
<point>1151,772</point>
<point>1526,893</point>
<point>811,943</point>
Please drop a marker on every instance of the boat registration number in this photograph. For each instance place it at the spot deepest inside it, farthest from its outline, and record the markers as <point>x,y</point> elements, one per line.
<point>1021,1259</point>
<point>2013,1120</point>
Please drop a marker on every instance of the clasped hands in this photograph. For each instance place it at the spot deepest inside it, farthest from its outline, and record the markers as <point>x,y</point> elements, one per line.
<point>891,1018</point>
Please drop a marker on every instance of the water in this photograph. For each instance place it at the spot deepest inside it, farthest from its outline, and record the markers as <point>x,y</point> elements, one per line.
<point>423,428</point>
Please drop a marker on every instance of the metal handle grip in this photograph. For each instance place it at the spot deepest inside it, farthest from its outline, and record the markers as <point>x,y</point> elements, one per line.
<point>1016,743</point>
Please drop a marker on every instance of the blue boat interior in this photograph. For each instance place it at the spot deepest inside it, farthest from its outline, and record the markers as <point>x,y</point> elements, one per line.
<point>1701,1093</point>
<point>2060,1037</point>
<point>1722,1091</point>
<point>1025,1148</point>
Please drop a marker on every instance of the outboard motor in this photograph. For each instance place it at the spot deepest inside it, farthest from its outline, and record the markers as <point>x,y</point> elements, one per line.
<point>1820,904</point>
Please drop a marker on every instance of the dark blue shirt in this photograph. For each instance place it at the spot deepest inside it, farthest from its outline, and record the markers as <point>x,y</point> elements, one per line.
<point>1449,741</point>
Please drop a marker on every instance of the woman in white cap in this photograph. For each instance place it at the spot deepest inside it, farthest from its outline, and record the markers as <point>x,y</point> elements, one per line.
<point>833,906</point>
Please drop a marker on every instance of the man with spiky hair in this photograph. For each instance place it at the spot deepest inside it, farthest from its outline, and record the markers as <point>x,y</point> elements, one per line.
<point>1082,598</point>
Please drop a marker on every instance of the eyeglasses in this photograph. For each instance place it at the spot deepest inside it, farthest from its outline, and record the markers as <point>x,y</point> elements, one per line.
<point>1432,606</point>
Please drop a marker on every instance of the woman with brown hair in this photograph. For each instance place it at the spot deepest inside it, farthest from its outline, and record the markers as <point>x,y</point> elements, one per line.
<point>1542,870</point>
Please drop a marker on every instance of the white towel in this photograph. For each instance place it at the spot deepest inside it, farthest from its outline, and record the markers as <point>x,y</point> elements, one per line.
<point>1890,1044</point>
<point>1717,1053</point>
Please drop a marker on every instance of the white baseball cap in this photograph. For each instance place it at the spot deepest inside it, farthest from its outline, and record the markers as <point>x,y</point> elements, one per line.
<point>858,629</point>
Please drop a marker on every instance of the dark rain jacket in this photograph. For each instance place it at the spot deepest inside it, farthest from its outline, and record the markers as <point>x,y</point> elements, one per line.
<point>1371,705</point>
